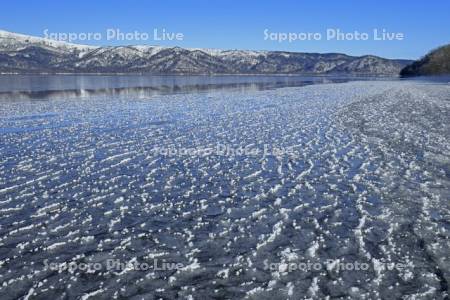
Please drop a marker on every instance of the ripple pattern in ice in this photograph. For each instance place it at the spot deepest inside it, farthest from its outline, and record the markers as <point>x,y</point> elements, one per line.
<point>368,181</point>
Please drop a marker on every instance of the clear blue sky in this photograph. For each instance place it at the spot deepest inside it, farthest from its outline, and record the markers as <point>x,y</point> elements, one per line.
<point>241,24</point>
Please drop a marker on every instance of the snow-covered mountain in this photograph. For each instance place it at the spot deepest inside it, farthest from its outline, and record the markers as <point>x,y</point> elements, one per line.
<point>26,54</point>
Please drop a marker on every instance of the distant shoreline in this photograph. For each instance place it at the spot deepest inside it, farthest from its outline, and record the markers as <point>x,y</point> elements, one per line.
<point>205,74</point>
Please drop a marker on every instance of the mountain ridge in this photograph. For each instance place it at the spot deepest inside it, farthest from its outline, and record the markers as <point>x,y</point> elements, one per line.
<point>27,54</point>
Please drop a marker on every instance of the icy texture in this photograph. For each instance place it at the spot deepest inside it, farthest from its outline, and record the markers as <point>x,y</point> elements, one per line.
<point>369,183</point>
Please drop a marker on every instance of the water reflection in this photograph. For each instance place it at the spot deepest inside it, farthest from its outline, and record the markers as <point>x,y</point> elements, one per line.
<point>17,87</point>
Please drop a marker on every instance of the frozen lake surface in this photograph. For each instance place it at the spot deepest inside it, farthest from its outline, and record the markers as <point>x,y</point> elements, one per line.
<point>344,192</point>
